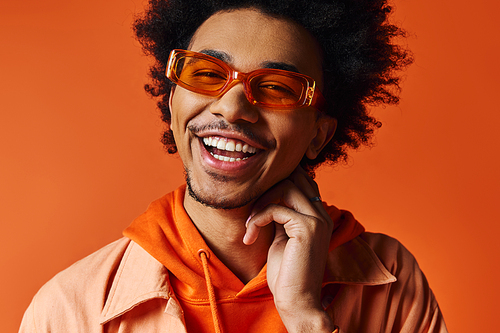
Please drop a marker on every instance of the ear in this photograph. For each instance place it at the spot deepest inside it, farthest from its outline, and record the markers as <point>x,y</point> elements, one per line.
<point>326,127</point>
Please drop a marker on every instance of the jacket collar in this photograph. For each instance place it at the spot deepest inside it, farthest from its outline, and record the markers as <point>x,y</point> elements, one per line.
<point>140,277</point>
<point>355,262</point>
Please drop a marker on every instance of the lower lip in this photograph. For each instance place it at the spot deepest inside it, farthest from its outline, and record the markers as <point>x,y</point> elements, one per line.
<point>226,166</point>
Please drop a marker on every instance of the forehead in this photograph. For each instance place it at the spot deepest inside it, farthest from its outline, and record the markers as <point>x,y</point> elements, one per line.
<point>251,39</point>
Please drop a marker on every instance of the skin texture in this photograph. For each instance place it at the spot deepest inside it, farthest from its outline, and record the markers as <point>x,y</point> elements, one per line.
<point>270,218</point>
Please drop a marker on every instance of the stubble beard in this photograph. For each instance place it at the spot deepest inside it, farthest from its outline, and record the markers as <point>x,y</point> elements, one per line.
<point>213,200</point>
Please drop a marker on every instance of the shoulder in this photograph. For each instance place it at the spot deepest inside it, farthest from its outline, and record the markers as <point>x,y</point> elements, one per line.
<point>398,260</point>
<point>79,290</point>
<point>96,267</point>
<point>386,247</point>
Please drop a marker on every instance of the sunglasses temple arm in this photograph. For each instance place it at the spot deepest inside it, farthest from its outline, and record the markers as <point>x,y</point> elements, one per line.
<point>318,101</point>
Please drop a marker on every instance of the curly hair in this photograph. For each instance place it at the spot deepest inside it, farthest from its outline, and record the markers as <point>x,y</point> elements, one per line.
<point>361,59</point>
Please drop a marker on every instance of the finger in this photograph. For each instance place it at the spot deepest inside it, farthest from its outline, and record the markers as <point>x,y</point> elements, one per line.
<point>264,218</point>
<point>310,189</point>
<point>304,182</point>
<point>275,254</point>
<point>299,240</point>
<point>297,225</point>
<point>288,194</point>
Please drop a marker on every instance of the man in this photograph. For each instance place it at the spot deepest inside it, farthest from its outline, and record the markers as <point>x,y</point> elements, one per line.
<point>256,95</point>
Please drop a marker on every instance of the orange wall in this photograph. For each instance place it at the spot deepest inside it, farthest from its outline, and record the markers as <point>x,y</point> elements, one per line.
<point>80,156</point>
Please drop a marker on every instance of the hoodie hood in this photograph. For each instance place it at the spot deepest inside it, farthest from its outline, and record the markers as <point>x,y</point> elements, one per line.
<point>167,233</point>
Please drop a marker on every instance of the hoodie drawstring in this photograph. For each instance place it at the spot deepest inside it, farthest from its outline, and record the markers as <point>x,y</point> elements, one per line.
<point>204,255</point>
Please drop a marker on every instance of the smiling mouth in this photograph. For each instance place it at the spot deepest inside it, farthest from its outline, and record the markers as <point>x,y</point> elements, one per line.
<point>228,150</point>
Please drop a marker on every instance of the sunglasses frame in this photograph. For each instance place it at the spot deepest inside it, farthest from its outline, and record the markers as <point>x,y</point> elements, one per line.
<point>310,95</point>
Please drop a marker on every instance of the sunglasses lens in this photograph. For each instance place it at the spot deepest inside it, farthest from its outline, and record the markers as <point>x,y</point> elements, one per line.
<point>201,74</point>
<point>276,89</point>
<point>269,88</point>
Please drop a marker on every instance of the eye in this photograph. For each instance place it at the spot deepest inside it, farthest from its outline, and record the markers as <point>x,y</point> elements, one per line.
<point>209,73</point>
<point>276,88</point>
<point>206,78</point>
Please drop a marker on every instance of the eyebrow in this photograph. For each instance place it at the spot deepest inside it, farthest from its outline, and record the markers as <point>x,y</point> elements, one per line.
<point>223,56</point>
<point>280,65</point>
<point>267,64</point>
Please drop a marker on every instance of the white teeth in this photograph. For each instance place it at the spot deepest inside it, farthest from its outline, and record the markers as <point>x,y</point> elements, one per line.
<point>248,149</point>
<point>228,145</point>
<point>214,142</point>
<point>221,145</point>
<point>227,159</point>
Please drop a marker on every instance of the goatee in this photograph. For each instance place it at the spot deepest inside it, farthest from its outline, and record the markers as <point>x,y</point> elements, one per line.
<point>213,200</point>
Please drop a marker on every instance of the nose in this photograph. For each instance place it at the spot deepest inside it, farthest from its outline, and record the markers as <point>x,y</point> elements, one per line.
<point>234,106</point>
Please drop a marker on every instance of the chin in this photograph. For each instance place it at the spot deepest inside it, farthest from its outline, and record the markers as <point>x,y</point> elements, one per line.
<point>215,200</point>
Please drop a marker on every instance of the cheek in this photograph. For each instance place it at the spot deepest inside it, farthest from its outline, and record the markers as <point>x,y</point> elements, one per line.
<point>183,107</point>
<point>297,130</point>
<point>293,137</point>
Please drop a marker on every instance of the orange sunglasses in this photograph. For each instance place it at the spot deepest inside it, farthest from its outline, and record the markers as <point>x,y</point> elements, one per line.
<point>270,88</point>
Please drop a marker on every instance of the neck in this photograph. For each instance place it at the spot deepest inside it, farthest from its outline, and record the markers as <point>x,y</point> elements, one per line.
<point>223,231</point>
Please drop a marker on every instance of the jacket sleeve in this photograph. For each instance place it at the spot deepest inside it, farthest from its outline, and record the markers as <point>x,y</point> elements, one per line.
<point>28,322</point>
<point>414,307</point>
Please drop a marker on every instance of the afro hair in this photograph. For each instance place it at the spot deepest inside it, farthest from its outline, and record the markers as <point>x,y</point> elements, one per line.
<point>362,60</point>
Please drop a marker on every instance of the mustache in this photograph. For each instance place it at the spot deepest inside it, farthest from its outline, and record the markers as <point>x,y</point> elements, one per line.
<point>238,128</point>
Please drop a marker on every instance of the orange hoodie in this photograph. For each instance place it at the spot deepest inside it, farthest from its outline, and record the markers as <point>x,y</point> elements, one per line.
<point>167,233</point>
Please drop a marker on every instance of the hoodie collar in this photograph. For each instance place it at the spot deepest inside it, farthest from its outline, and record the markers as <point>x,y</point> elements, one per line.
<point>140,277</point>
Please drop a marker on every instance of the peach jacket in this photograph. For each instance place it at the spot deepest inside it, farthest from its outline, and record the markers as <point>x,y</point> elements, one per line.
<point>373,284</point>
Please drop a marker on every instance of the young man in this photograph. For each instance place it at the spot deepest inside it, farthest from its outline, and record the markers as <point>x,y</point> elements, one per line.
<point>256,95</point>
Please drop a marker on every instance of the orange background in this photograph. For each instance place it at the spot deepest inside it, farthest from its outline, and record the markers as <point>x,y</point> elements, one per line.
<point>80,152</point>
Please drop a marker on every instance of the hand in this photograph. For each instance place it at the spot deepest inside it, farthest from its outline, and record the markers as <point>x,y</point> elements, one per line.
<point>298,253</point>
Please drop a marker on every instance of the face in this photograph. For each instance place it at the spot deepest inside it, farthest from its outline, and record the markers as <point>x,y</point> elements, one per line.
<point>234,151</point>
